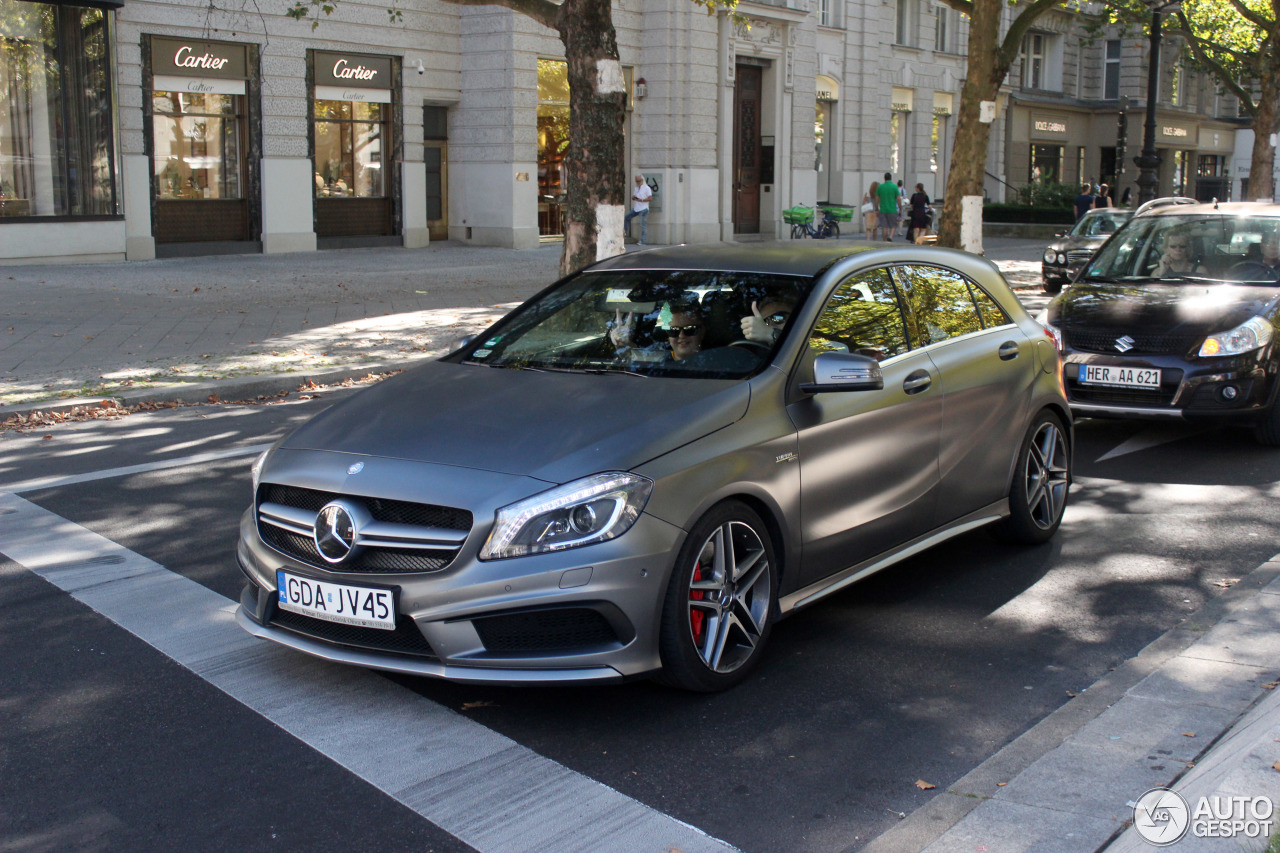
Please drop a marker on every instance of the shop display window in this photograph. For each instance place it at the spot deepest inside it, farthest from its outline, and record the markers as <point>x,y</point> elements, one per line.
<point>197,144</point>
<point>349,137</point>
<point>57,151</point>
<point>553,144</point>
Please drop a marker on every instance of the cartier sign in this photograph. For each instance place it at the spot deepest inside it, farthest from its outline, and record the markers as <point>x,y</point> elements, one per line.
<point>352,70</point>
<point>193,58</point>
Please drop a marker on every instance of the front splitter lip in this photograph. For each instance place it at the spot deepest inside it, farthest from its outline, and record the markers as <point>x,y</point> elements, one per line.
<point>409,666</point>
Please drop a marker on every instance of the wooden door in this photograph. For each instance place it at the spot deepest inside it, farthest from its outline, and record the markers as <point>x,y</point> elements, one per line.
<point>746,150</point>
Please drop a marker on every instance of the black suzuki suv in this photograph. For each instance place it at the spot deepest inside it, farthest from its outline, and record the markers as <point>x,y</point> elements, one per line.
<point>1175,317</point>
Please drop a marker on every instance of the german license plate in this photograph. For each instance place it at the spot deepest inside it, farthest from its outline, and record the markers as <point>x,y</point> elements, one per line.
<point>1122,377</point>
<point>365,606</point>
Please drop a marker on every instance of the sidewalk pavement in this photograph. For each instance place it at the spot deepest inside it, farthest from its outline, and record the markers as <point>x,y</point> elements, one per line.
<point>1196,710</point>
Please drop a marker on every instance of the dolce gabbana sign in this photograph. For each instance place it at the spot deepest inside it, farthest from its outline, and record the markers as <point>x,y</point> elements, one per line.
<point>1053,127</point>
<point>352,77</point>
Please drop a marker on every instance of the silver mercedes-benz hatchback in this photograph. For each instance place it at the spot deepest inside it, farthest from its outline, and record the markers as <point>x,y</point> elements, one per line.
<point>643,467</point>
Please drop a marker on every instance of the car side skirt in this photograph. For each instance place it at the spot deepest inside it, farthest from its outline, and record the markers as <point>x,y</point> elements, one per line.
<point>834,583</point>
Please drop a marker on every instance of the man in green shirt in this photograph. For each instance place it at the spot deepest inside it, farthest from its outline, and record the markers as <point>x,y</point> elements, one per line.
<point>890,207</point>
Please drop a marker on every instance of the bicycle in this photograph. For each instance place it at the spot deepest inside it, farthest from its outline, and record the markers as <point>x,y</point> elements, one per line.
<point>800,218</point>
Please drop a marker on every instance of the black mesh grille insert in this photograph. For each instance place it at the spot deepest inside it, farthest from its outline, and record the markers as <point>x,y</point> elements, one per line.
<point>1104,341</point>
<point>545,630</point>
<point>370,560</point>
<point>406,639</point>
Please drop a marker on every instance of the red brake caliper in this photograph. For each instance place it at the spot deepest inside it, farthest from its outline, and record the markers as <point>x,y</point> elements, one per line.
<point>696,616</point>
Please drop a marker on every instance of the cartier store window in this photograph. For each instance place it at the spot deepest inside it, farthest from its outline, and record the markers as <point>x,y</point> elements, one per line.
<point>353,122</point>
<point>199,105</point>
<point>57,133</point>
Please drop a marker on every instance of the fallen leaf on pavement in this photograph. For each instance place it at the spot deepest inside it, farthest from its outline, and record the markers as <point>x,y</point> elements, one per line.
<point>1188,734</point>
<point>1276,766</point>
<point>1001,784</point>
<point>1271,685</point>
<point>483,703</point>
<point>924,786</point>
<point>214,398</point>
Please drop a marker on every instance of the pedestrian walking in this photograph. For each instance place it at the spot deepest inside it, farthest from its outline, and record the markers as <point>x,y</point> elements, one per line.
<point>919,225</point>
<point>890,207</point>
<point>640,197</point>
<point>903,208</point>
<point>871,210</point>
<point>1084,201</point>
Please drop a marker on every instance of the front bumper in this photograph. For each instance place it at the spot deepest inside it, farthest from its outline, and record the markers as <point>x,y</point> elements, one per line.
<point>588,614</point>
<point>1190,390</point>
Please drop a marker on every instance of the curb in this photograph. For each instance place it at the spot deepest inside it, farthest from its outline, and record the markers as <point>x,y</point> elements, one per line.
<point>933,822</point>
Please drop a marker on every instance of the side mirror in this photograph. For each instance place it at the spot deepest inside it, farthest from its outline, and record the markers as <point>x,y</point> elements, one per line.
<point>844,371</point>
<point>461,342</point>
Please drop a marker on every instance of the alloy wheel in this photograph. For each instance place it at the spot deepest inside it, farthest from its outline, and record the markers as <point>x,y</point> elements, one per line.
<point>730,593</point>
<point>1047,476</point>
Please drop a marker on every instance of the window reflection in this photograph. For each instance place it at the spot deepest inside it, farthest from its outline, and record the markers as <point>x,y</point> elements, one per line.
<point>940,305</point>
<point>196,140</point>
<point>56,132</point>
<point>862,317</point>
<point>349,162</point>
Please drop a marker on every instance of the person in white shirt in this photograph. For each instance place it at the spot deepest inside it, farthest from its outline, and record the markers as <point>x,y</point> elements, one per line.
<point>640,207</point>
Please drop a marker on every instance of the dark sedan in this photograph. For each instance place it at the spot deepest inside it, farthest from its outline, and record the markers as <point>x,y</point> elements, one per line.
<point>1066,255</point>
<point>644,466</point>
<point>1175,317</point>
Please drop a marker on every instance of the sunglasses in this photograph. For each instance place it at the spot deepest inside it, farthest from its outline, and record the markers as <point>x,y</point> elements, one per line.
<point>777,319</point>
<point>689,331</point>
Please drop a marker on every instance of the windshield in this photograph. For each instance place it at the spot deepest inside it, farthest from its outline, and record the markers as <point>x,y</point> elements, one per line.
<point>687,323</point>
<point>1100,223</point>
<point>1191,247</point>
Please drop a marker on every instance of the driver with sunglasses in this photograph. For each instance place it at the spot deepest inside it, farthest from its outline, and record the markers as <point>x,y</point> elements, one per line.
<point>767,319</point>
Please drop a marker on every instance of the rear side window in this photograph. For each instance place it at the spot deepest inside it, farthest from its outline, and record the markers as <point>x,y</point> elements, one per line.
<point>862,316</point>
<point>939,304</point>
<point>992,314</point>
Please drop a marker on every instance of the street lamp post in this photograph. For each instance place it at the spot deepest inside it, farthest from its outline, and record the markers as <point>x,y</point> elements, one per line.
<point>1148,161</point>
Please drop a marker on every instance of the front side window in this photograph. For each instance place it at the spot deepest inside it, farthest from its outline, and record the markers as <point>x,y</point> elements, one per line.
<point>862,317</point>
<point>349,149</point>
<point>672,323</point>
<point>57,144</point>
<point>940,304</point>
<point>197,142</point>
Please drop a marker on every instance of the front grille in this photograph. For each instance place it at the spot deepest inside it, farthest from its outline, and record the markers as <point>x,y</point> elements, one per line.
<point>372,559</point>
<point>406,639</point>
<point>558,630</point>
<point>1104,341</point>
<point>1079,256</point>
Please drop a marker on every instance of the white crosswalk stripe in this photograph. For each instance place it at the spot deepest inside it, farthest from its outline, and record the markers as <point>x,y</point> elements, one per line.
<point>476,784</point>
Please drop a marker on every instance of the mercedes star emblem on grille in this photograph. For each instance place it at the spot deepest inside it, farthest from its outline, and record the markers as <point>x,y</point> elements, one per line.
<point>335,532</point>
<point>356,468</point>
<point>1125,344</point>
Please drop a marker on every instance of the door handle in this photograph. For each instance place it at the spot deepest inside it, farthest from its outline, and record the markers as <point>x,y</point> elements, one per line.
<point>1008,351</point>
<point>916,382</point>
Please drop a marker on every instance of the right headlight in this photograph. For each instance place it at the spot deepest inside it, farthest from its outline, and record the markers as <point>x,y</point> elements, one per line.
<point>1249,335</point>
<point>1050,256</point>
<point>594,509</point>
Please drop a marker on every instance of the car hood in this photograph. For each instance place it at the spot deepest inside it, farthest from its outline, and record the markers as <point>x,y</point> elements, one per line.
<point>552,426</point>
<point>1169,308</point>
<point>1068,243</point>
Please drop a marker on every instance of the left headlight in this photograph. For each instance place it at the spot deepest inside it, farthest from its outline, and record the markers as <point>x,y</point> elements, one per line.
<point>1249,335</point>
<point>594,509</point>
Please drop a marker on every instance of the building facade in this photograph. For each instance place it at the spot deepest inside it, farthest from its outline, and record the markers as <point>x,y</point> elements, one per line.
<point>132,130</point>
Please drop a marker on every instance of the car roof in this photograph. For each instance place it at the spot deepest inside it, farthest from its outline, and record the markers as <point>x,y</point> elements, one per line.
<point>800,258</point>
<point>1234,208</point>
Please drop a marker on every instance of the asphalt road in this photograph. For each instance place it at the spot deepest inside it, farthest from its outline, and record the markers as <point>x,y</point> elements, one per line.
<point>918,674</point>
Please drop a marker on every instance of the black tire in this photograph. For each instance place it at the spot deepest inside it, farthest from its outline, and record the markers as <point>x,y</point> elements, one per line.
<point>720,602</point>
<point>797,232</point>
<point>1041,481</point>
<point>831,230</point>
<point>1267,430</point>
<point>1052,286</point>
